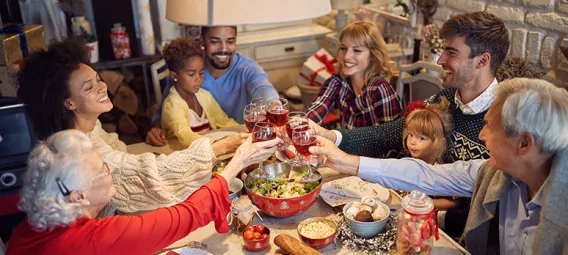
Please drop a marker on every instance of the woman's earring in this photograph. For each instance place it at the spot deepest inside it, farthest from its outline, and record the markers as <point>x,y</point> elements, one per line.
<point>175,79</point>
<point>69,105</point>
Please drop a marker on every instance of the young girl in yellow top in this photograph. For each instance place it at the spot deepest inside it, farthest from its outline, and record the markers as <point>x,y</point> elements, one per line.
<point>188,111</point>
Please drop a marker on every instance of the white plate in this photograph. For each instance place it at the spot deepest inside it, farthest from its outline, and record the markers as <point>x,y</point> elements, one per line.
<point>191,251</point>
<point>216,135</point>
<point>282,157</point>
<point>344,190</point>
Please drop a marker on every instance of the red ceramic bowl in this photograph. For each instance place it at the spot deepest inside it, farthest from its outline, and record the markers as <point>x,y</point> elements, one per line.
<point>317,243</point>
<point>281,207</point>
<point>258,244</point>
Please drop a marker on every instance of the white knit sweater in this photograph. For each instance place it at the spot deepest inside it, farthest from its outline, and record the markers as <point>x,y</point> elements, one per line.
<point>146,182</point>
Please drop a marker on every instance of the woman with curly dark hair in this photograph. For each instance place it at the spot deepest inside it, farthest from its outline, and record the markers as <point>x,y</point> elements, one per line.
<point>189,110</point>
<point>62,92</point>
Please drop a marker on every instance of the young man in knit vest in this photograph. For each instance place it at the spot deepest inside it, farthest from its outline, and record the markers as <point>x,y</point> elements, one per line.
<point>476,45</point>
<point>233,79</point>
<point>519,195</point>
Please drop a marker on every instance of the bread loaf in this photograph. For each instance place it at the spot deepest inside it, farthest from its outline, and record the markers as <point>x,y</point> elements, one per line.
<point>294,246</point>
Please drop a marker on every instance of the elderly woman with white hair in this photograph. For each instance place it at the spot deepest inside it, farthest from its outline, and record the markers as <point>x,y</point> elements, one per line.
<point>519,195</point>
<point>68,183</point>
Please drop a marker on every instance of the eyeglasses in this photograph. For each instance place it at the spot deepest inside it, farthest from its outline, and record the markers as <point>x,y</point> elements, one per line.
<point>105,172</point>
<point>65,191</point>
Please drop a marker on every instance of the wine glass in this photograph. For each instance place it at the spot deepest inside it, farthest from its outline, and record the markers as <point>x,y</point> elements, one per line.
<point>259,101</point>
<point>303,138</point>
<point>296,119</point>
<point>277,110</point>
<point>263,131</point>
<point>253,114</point>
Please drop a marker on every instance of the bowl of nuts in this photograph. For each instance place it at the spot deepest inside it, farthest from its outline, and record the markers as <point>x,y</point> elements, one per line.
<point>317,232</point>
<point>367,217</point>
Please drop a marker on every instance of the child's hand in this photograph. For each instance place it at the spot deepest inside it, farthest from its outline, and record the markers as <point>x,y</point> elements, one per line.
<point>156,137</point>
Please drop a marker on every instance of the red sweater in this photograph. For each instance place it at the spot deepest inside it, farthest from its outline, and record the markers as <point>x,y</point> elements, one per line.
<point>147,233</point>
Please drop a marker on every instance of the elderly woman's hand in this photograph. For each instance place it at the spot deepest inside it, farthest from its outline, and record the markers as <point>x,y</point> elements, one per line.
<point>249,153</point>
<point>333,157</point>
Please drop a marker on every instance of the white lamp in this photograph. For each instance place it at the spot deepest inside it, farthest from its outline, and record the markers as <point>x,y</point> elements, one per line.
<point>341,17</point>
<point>239,12</point>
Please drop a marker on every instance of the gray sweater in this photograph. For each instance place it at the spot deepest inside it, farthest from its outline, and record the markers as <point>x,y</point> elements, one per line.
<point>552,230</point>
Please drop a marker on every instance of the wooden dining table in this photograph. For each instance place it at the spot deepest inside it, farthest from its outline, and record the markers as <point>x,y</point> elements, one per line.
<point>233,243</point>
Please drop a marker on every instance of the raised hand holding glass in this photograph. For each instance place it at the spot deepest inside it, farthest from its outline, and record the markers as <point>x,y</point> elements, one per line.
<point>303,137</point>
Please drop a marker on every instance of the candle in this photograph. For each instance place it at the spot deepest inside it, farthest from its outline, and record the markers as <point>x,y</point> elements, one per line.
<point>419,31</point>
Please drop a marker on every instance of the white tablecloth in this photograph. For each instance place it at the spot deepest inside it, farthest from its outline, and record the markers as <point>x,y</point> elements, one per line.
<point>232,243</point>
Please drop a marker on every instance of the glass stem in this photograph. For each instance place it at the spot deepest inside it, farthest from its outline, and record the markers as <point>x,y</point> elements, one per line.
<point>309,163</point>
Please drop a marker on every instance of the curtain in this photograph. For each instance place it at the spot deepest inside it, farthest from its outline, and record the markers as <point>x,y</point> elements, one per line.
<point>46,13</point>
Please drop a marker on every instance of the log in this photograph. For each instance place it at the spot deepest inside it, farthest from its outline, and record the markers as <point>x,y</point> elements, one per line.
<point>112,80</point>
<point>126,125</point>
<point>126,100</point>
<point>294,246</point>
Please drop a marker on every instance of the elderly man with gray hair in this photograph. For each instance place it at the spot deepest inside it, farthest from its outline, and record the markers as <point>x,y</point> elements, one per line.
<point>519,195</point>
<point>68,183</point>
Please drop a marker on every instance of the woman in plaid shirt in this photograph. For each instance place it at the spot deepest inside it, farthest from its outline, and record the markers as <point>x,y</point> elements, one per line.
<point>363,96</point>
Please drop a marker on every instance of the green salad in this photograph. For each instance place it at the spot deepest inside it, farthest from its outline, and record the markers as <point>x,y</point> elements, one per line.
<point>280,187</point>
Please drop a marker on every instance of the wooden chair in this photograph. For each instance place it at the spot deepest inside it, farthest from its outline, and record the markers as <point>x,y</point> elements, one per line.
<point>159,72</point>
<point>421,85</point>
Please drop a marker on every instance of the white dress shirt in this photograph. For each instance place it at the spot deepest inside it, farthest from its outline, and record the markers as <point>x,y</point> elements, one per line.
<point>481,103</point>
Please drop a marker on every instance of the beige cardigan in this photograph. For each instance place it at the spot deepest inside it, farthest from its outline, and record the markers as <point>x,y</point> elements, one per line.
<point>145,182</point>
<point>175,116</point>
<point>552,230</point>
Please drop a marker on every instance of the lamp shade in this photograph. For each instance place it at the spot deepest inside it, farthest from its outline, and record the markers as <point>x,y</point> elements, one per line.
<point>342,4</point>
<point>240,12</point>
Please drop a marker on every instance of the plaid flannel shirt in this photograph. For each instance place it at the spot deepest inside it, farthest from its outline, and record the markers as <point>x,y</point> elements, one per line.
<point>377,104</point>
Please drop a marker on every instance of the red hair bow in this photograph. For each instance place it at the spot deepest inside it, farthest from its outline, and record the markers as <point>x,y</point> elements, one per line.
<point>413,106</point>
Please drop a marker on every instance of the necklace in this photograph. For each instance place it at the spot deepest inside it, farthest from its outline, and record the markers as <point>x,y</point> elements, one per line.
<point>191,101</point>
<point>193,104</point>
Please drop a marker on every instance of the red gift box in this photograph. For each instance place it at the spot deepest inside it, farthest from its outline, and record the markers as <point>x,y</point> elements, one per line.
<point>317,68</point>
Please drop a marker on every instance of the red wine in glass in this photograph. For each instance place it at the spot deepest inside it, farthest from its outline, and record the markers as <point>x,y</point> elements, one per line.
<point>277,116</point>
<point>252,119</point>
<point>302,140</point>
<point>263,131</point>
<point>259,137</point>
<point>303,137</point>
<point>296,124</point>
<point>303,144</point>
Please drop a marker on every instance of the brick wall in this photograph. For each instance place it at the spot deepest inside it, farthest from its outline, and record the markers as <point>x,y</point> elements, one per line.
<point>536,29</point>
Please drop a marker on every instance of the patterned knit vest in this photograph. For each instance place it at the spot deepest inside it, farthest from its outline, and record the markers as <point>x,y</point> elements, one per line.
<point>465,138</point>
<point>385,139</point>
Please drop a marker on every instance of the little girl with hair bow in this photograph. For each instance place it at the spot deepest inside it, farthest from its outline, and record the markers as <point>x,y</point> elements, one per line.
<point>426,134</point>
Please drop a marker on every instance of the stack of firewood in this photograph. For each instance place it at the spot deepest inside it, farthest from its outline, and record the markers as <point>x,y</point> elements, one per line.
<point>128,118</point>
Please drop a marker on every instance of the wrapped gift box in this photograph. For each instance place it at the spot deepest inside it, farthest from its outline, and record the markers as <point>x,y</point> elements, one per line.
<point>18,40</point>
<point>318,68</point>
<point>7,80</point>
